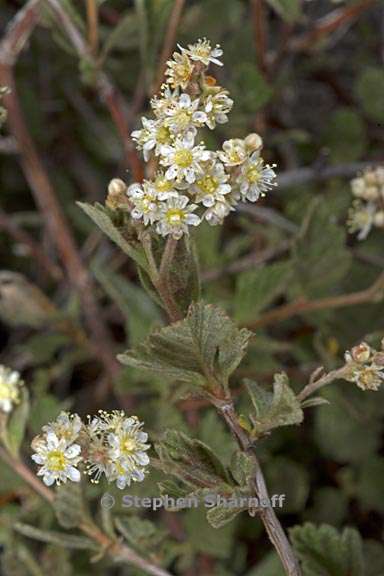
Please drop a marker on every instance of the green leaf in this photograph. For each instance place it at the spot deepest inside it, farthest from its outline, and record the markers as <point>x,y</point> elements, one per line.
<point>138,309</point>
<point>204,348</point>
<point>102,218</point>
<point>202,538</point>
<point>345,136</point>
<point>339,426</point>
<point>124,35</point>
<point>69,505</point>
<point>289,10</point>
<point>271,410</point>
<point>58,538</point>
<point>269,566</point>
<point>17,422</point>
<point>323,551</point>
<point>253,90</point>
<point>320,257</point>
<point>370,484</point>
<point>256,289</point>
<point>191,461</point>
<point>184,274</point>
<point>143,535</point>
<point>369,89</point>
<point>284,476</point>
<point>219,516</point>
<point>242,467</point>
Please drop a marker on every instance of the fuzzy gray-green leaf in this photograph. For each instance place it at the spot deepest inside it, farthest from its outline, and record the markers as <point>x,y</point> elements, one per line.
<point>101,217</point>
<point>271,410</point>
<point>204,348</point>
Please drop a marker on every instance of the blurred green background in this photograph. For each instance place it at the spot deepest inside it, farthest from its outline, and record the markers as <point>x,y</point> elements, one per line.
<point>309,77</point>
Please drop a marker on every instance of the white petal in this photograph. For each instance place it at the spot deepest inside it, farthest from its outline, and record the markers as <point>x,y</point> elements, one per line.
<point>72,451</point>
<point>48,479</point>
<point>142,458</point>
<point>73,474</point>
<point>38,459</point>
<point>193,220</point>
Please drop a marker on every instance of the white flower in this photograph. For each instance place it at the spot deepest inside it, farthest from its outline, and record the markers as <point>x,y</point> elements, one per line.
<point>361,218</point>
<point>161,104</point>
<point>145,201</point>
<point>184,159</point>
<point>151,137</point>
<point>117,449</point>
<point>183,115</point>
<point>10,384</point>
<point>216,108</point>
<point>255,178</point>
<point>234,152</point>
<point>179,71</point>
<point>202,52</point>
<point>57,459</point>
<point>212,186</point>
<point>175,217</point>
<point>365,367</point>
<point>66,426</point>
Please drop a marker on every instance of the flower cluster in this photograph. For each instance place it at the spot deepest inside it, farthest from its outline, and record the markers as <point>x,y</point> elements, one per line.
<point>191,183</point>
<point>110,444</point>
<point>368,207</point>
<point>117,448</point>
<point>10,384</point>
<point>365,366</point>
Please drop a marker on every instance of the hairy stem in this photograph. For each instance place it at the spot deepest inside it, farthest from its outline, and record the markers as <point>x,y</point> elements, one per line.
<point>316,384</point>
<point>115,549</point>
<point>374,293</point>
<point>258,485</point>
<point>93,26</point>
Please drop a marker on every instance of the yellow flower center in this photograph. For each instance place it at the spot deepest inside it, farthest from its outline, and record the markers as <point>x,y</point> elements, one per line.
<point>183,118</point>
<point>163,135</point>
<point>127,445</point>
<point>208,184</point>
<point>253,174</point>
<point>163,185</point>
<point>235,156</point>
<point>175,216</point>
<point>7,392</point>
<point>183,158</point>
<point>56,461</point>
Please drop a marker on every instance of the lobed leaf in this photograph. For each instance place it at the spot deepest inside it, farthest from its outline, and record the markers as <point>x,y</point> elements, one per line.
<point>271,410</point>
<point>203,349</point>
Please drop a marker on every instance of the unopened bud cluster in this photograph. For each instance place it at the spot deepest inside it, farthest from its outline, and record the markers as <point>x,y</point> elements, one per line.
<point>368,207</point>
<point>110,444</point>
<point>191,183</point>
<point>365,366</point>
<point>10,386</point>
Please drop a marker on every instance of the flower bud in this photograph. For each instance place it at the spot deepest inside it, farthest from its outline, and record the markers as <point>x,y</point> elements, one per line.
<point>116,192</point>
<point>378,219</point>
<point>253,142</point>
<point>378,359</point>
<point>361,353</point>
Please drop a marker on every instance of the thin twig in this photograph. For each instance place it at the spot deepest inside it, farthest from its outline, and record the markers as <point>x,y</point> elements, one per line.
<point>253,260</point>
<point>328,24</point>
<point>367,296</point>
<point>308,174</point>
<point>107,91</point>
<point>43,191</point>
<point>260,34</point>
<point>169,41</point>
<point>93,26</point>
<point>267,514</point>
<point>316,384</point>
<point>115,549</point>
<point>35,250</point>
